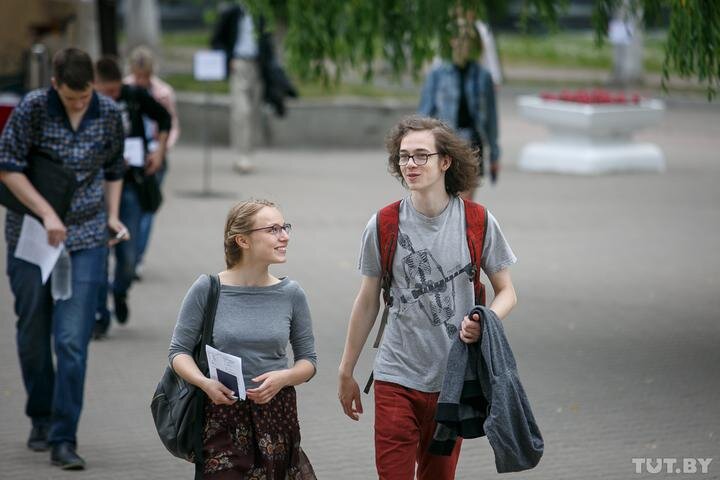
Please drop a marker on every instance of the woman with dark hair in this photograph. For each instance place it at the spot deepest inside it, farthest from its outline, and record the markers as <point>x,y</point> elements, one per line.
<point>257,315</point>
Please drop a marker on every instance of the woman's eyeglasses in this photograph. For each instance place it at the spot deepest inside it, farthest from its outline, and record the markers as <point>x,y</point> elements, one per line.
<point>274,229</point>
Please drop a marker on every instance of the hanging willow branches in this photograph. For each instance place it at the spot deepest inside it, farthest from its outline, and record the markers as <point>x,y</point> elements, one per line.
<point>326,37</point>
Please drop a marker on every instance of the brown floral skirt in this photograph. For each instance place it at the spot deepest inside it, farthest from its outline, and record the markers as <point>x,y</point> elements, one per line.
<point>255,442</point>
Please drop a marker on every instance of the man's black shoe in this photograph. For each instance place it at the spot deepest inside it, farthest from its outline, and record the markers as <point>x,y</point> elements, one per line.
<point>63,455</point>
<point>37,441</point>
<point>121,309</point>
<point>99,331</point>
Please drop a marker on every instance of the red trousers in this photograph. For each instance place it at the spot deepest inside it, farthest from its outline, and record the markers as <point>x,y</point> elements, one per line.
<point>404,426</point>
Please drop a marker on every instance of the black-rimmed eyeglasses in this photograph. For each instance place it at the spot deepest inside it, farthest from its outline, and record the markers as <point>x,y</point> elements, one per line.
<point>274,229</point>
<point>418,158</point>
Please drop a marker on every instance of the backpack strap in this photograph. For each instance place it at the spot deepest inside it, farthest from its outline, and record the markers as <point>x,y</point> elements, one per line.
<point>475,229</point>
<point>387,226</point>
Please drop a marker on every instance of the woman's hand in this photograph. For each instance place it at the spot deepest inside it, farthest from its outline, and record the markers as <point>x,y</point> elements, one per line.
<point>218,393</point>
<point>272,383</point>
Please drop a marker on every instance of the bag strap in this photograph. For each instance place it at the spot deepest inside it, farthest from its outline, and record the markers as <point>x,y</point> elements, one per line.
<point>208,323</point>
<point>388,225</point>
<point>202,363</point>
<point>475,230</point>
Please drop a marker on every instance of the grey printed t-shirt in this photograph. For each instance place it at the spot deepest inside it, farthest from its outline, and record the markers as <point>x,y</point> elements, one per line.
<point>432,290</point>
<point>253,323</point>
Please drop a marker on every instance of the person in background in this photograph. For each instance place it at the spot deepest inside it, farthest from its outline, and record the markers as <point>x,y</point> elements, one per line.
<point>142,74</point>
<point>235,34</point>
<point>257,315</point>
<point>461,93</point>
<point>85,131</point>
<point>134,103</point>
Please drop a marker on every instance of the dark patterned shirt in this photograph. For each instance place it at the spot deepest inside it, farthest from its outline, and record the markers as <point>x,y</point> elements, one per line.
<point>94,152</point>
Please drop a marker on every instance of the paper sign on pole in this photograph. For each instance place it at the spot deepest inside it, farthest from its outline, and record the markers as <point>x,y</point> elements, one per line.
<point>209,65</point>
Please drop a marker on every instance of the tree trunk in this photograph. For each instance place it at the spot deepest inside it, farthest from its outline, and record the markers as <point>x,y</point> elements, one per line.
<point>87,34</point>
<point>142,24</point>
<point>626,36</point>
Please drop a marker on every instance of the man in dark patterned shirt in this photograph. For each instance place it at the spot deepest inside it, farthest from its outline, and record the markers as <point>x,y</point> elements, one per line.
<point>84,130</point>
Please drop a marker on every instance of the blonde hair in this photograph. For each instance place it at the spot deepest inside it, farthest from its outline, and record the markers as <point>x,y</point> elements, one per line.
<point>141,58</point>
<point>240,220</point>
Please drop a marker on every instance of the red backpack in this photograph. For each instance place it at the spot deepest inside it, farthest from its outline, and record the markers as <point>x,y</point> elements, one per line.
<point>388,222</point>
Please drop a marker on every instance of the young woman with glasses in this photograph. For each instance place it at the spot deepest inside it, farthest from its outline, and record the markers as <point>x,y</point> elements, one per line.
<point>257,316</point>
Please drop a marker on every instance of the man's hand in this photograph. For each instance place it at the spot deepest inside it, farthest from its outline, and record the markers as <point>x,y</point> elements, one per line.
<point>153,161</point>
<point>349,396</point>
<point>471,329</point>
<point>272,383</point>
<point>116,227</point>
<point>218,393</point>
<point>55,228</point>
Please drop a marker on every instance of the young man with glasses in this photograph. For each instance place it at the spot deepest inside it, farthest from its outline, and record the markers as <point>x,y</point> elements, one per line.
<point>431,291</point>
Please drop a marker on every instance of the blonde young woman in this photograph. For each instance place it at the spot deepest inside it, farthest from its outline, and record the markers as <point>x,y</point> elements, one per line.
<point>257,315</point>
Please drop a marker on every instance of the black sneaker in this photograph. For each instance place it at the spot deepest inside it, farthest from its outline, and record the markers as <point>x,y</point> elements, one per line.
<point>121,309</point>
<point>63,455</point>
<point>37,441</point>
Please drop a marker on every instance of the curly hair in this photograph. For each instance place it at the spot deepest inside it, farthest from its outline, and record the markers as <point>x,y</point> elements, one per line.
<point>463,172</point>
<point>240,220</point>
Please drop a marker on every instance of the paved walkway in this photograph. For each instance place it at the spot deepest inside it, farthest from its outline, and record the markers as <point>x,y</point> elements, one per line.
<point>616,333</point>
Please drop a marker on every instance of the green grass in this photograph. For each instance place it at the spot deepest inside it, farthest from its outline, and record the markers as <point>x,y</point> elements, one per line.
<point>571,50</point>
<point>190,38</point>
<point>185,82</point>
<point>576,50</point>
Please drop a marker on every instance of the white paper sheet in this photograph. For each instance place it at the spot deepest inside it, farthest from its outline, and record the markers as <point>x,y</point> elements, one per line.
<point>226,369</point>
<point>33,247</point>
<point>134,152</point>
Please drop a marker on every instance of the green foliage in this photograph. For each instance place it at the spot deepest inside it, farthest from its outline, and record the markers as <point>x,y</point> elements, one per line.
<point>692,49</point>
<point>326,37</point>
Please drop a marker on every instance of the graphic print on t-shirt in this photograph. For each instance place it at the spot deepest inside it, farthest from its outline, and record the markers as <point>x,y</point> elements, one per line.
<point>429,290</point>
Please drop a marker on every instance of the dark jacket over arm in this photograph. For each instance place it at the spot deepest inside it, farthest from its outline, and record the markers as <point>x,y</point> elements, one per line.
<point>154,110</point>
<point>482,395</point>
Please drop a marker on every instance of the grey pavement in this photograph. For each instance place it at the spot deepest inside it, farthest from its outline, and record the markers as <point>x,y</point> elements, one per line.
<point>616,332</point>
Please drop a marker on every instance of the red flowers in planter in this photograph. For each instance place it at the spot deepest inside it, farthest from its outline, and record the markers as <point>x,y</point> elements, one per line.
<point>597,96</point>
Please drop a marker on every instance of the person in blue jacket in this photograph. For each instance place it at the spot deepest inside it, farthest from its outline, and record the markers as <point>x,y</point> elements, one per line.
<point>461,93</point>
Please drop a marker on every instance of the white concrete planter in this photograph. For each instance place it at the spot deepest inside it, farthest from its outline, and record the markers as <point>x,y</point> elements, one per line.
<point>589,139</point>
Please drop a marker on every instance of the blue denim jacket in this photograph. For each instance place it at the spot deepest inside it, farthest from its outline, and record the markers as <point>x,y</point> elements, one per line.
<point>440,98</point>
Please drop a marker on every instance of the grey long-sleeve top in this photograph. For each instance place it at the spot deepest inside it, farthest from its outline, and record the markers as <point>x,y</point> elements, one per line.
<point>253,323</point>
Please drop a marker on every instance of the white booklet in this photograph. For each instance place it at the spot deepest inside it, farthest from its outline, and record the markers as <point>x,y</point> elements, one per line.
<point>226,369</point>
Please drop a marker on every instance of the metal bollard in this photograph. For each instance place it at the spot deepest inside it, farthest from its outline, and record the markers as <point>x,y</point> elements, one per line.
<point>39,68</point>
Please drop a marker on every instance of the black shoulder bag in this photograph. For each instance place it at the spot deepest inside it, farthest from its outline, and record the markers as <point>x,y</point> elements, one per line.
<point>55,182</point>
<point>178,406</point>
